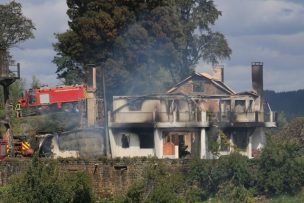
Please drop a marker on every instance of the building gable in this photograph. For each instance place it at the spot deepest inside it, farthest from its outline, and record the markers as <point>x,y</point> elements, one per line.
<point>199,84</point>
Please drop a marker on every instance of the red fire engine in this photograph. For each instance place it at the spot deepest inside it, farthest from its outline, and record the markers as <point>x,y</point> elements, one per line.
<point>54,98</point>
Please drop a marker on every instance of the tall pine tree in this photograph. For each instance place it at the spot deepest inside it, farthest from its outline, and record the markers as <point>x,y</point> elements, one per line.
<point>144,46</point>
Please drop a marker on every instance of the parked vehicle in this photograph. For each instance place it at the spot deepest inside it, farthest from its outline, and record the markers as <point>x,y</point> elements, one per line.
<point>45,99</point>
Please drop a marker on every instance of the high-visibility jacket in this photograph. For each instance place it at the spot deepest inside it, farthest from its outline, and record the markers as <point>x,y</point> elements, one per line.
<point>18,107</point>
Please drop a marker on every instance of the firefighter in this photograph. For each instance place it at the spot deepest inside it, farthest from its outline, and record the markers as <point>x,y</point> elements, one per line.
<point>18,110</point>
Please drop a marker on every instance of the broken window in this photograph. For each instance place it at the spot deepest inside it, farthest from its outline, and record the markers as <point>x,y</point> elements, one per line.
<point>32,97</point>
<point>198,86</point>
<point>240,106</point>
<point>241,141</point>
<point>125,141</point>
<point>135,105</point>
<point>250,106</point>
<point>146,140</point>
<point>171,105</point>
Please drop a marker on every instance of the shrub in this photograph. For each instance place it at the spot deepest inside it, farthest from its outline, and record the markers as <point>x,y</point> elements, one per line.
<point>161,184</point>
<point>229,192</point>
<point>281,167</point>
<point>211,175</point>
<point>43,182</point>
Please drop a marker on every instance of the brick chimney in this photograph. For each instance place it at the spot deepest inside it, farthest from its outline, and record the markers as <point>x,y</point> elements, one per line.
<point>257,82</point>
<point>218,72</point>
<point>257,77</point>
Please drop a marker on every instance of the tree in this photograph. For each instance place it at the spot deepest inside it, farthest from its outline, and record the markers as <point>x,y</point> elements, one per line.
<point>14,28</point>
<point>136,41</point>
<point>281,166</point>
<point>35,82</point>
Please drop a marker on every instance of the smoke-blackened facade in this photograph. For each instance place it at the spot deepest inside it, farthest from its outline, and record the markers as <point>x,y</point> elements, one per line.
<point>199,116</point>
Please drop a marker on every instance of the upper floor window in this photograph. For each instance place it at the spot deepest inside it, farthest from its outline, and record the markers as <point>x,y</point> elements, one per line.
<point>198,86</point>
<point>240,106</point>
<point>135,105</point>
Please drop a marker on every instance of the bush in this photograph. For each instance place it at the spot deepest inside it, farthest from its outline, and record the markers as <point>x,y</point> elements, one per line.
<point>160,184</point>
<point>229,192</point>
<point>212,175</point>
<point>43,182</point>
<point>281,167</point>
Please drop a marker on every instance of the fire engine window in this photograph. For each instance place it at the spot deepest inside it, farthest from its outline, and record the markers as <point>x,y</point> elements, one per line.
<point>135,105</point>
<point>44,98</point>
<point>125,141</point>
<point>32,97</point>
<point>146,140</point>
<point>198,86</point>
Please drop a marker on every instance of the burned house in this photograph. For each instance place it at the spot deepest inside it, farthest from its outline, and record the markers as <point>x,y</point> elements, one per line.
<point>199,116</point>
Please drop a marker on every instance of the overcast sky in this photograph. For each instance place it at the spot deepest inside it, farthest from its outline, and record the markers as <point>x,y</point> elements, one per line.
<point>271,31</point>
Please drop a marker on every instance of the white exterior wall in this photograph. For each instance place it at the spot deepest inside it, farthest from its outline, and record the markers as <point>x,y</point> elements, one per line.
<point>158,143</point>
<point>249,148</point>
<point>204,145</point>
<point>258,139</point>
<point>57,153</point>
<point>113,145</point>
<point>133,150</point>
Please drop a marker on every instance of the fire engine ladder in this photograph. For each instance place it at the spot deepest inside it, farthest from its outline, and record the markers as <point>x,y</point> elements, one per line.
<point>83,113</point>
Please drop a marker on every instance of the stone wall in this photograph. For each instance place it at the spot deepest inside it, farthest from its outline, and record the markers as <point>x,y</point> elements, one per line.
<point>109,177</point>
<point>11,167</point>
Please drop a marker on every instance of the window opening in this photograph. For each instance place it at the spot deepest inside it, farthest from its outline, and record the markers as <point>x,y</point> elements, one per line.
<point>125,141</point>
<point>135,105</point>
<point>146,140</point>
<point>240,106</point>
<point>198,86</point>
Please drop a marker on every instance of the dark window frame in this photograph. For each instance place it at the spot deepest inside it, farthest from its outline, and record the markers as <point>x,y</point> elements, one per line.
<point>125,141</point>
<point>198,86</point>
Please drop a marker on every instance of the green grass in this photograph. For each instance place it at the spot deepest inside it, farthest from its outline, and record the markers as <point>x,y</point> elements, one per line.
<point>297,198</point>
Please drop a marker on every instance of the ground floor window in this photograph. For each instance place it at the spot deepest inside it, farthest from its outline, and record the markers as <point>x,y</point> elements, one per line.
<point>240,140</point>
<point>146,140</point>
<point>125,141</point>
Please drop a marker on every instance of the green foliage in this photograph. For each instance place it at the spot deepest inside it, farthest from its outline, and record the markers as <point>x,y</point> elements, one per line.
<point>16,90</point>
<point>219,141</point>
<point>135,194</point>
<point>137,41</point>
<point>14,27</point>
<point>229,192</point>
<point>298,198</point>
<point>160,184</point>
<point>281,167</point>
<point>35,82</point>
<point>294,130</point>
<point>212,176</point>
<point>44,182</point>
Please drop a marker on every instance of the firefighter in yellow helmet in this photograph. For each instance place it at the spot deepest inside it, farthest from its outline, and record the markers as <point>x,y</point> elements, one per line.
<point>18,110</point>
